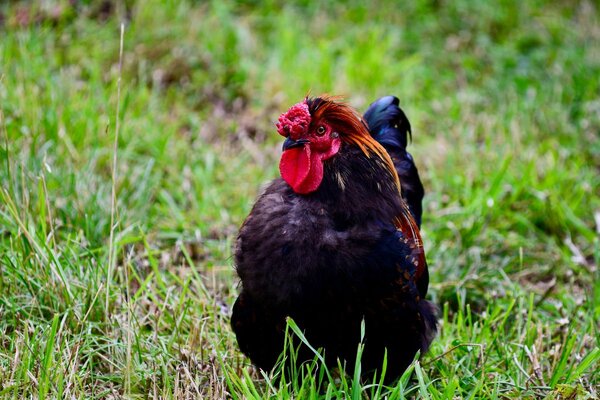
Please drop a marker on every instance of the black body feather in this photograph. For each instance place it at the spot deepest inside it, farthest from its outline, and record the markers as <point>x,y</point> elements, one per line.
<point>329,260</point>
<point>389,126</point>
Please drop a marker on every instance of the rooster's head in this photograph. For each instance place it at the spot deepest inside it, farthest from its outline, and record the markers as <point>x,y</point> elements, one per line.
<point>315,131</point>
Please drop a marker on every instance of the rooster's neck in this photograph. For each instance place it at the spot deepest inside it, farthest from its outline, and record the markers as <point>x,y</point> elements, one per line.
<point>356,186</point>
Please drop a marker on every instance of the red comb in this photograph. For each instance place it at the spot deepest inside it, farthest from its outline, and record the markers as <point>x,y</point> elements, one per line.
<point>295,121</point>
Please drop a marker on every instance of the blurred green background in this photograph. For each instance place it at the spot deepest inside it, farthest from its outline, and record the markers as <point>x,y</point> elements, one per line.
<point>504,99</point>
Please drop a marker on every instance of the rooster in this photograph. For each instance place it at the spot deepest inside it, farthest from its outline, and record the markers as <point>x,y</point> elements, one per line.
<point>333,243</point>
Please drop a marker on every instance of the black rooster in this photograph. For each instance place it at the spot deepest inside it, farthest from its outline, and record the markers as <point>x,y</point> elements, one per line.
<point>333,243</point>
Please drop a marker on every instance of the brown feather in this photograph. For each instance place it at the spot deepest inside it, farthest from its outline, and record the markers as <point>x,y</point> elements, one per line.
<point>353,130</point>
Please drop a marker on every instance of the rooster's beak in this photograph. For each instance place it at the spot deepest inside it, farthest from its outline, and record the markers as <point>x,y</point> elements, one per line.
<point>290,143</point>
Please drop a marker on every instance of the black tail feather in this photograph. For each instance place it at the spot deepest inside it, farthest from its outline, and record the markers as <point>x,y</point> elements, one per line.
<point>390,127</point>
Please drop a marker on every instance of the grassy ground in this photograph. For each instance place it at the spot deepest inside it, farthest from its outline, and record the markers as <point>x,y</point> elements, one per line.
<point>504,100</point>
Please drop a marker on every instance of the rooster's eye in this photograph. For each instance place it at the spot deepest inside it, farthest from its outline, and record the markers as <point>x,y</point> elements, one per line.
<point>321,130</point>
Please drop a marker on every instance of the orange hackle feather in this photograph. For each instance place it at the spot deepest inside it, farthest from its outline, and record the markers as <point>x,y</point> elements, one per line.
<point>353,130</point>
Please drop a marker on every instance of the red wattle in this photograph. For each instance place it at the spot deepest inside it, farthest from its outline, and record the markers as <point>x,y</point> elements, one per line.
<point>302,169</point>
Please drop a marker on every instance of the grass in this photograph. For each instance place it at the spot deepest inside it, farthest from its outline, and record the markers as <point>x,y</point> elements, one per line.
<point>503,98</point>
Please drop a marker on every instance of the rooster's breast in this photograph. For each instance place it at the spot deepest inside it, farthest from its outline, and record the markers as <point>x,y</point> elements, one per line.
<point>289,246</point>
